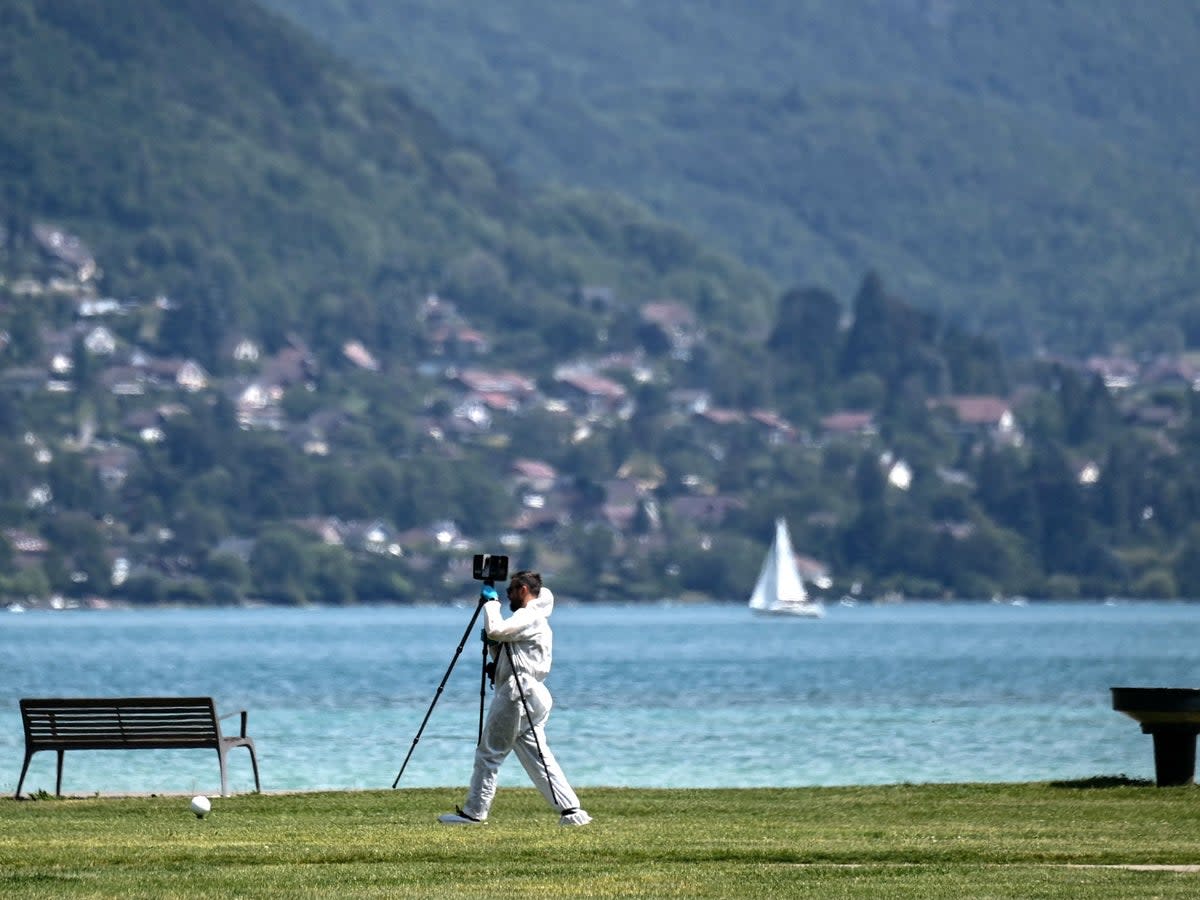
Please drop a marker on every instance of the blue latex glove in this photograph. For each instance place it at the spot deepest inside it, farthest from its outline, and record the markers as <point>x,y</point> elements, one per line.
<point>489,593</point>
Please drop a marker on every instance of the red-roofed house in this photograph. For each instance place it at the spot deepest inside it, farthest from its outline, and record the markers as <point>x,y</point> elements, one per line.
<point>779,428</point>
<point>483,381</point>
<point>590,394</point>
<point>988,413</point>
<point>534,474</point>
<point>846,423</point>
<point>723,416</point>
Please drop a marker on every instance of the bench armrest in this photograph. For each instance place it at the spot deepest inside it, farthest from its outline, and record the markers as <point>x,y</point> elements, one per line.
<point>241,713</point>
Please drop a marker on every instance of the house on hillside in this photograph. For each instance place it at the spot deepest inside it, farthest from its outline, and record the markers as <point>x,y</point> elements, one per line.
<point>458,343</point>
<point>688,402</point>
<point>290,366</point>
<point>533,475</point>
<point>1174,372</point>
<point>848,423</point>
<point>192,377</point>
<point>632,364</point>
<point>621,497</point>
<point>100,342</point>
<point>1118,373</point>
<point>65,247</point>
<point>487,394</point>
<point>28,549</point>
<point>778,429</point>
<point>257,406</point>
<point>722,418</point>
<point>112,464</point>
<point>472,413</point>
<point>375,536</point>
<point>92,307</point>
<point>676,323</point>
<point>593,396</point>
<point>124,381</point>
<point>983,414</point>
<point>357,353</point>
<point>483,382</point>
<point>542,519</point>
<point>245,351</point>
<point>327,529</point>
<point>899,474</point>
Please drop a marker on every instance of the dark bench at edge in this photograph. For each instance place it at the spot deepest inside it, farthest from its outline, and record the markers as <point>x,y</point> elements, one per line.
<point>1172,717</point>
<point>128,723</point>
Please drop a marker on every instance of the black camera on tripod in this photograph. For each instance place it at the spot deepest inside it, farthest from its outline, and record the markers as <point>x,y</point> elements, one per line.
<point>489,568</point>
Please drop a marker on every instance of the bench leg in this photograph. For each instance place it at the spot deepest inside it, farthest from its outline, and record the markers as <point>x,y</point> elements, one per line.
<point>58,780</point>
<point>223,753</point>
<point>254,765</point>
<point>1174,755</point>
<point>21,780</point>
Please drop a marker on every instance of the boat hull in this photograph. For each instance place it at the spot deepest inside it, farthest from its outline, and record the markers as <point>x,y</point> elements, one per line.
<point>807,611</point>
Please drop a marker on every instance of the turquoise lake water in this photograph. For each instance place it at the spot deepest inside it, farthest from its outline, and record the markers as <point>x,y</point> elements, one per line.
<point>644,696</point>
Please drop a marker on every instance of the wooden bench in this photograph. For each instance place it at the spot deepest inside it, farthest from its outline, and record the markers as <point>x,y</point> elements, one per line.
<point>128,723</point>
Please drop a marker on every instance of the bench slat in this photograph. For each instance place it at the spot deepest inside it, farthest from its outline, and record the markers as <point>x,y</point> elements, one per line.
<point>113,734</point>
<point>88,720</point>
<point>136,722</point>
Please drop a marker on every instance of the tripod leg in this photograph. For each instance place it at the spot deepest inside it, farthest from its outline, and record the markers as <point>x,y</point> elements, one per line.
<point>457,653</point>
<point>482,688</point>
<point>529,718</point>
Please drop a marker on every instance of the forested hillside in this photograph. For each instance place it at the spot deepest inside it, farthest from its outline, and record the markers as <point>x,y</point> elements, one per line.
<point>270,333</point>
<point>219,156</point>
<point>1027,167</point>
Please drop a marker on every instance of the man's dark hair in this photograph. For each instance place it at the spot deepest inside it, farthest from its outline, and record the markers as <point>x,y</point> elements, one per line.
<point>531,580</point>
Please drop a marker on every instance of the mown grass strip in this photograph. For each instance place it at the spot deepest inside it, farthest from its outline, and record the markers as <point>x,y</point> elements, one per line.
<point>919,841</point>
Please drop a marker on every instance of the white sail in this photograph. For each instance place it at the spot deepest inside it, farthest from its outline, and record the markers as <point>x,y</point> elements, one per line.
<point>780,589</point>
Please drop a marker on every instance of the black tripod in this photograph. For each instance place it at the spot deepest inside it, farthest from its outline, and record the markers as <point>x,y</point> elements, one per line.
<point>457,653</point>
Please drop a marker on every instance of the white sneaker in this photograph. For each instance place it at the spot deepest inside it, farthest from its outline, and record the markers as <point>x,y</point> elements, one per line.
<point>574,816</point>
<point>458,817</point>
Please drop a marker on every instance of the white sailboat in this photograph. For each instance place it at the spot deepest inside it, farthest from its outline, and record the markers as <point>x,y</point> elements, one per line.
<point>780,589</point>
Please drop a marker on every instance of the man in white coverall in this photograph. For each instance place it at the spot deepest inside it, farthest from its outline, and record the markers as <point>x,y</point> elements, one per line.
<point>526,633</point>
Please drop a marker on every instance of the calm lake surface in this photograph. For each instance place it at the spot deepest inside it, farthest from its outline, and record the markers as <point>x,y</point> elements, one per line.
<point>644,696</point>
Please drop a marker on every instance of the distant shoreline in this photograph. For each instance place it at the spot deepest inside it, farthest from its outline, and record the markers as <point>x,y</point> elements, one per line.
<point>17,607</point>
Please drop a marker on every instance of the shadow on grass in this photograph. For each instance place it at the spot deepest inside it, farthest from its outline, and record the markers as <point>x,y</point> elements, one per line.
<point>1102,781</point>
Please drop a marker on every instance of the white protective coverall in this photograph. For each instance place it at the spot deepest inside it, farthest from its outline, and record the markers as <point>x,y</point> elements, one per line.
<point>527,633</point>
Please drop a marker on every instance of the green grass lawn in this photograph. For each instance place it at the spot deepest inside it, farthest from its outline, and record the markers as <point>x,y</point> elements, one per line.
<point>918,841</point>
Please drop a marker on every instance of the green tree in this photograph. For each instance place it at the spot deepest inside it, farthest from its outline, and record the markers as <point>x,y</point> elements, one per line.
<point>379,579</point>
<point>1187,564</point>
<point>1065,535</point>
<point>25,336</point>
<point>79,540</point>
<point>338,490</point>
<point>975,363</point>
<point>145,589</point>
<point>281,564</point>
<point>227,568</point>
<point>74,486</point>
<point>83,370</point>
<point>332,576</point>
<point>805,339</point>
<point>197,529</point>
